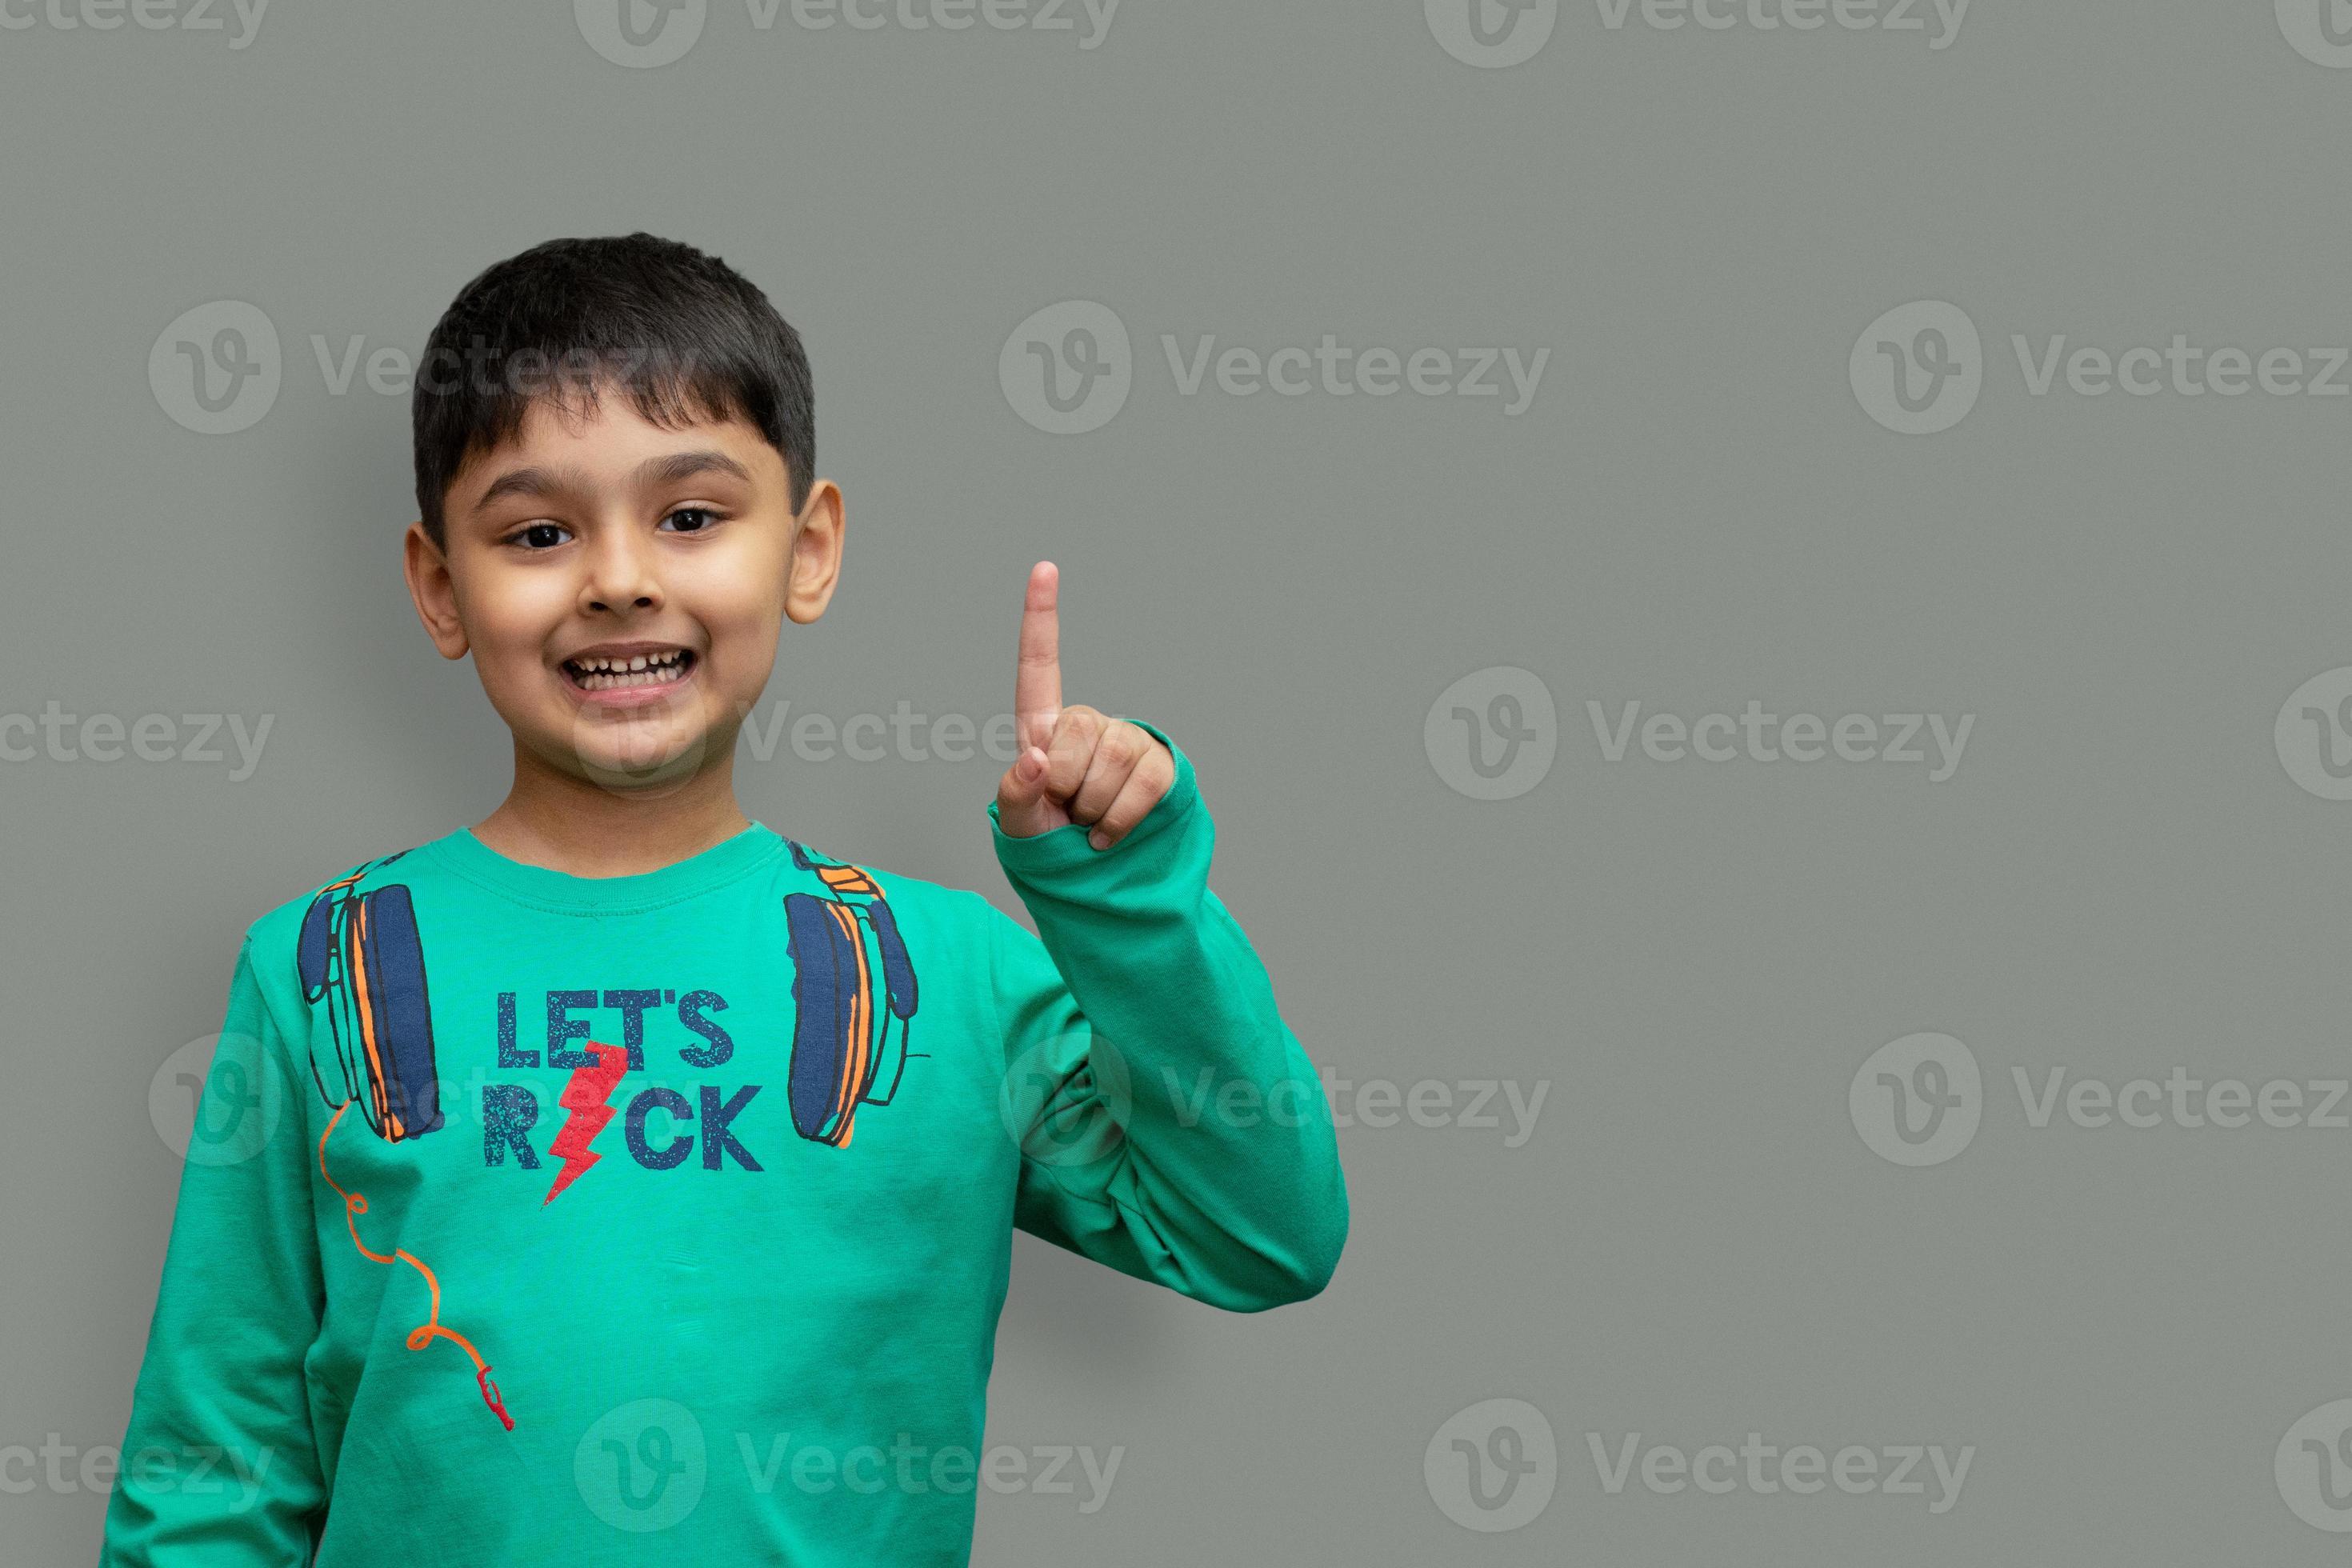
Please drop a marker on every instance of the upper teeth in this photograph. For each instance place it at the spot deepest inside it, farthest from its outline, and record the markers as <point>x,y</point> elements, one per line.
<point>600,662</point>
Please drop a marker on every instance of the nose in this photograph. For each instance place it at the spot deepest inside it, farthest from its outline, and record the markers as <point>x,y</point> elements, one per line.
<point>621,572</point>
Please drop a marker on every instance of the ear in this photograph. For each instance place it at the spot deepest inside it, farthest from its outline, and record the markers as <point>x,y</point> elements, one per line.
<point>815,565</point>
<point>430,586</point>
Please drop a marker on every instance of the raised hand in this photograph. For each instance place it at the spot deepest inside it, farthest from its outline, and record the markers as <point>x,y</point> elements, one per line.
<point>1076,765</point>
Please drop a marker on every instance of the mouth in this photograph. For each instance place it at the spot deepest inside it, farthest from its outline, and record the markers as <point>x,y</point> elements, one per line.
<point>648,669</point>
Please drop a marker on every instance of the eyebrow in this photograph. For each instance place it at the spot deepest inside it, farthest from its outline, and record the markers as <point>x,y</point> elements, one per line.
<point>667,471</point>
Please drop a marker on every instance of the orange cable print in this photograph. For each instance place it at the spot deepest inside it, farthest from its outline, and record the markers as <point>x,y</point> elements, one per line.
<point>355,1203</point>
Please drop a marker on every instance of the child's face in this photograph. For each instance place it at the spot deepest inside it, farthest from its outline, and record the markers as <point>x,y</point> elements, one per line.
<point>622,586</point>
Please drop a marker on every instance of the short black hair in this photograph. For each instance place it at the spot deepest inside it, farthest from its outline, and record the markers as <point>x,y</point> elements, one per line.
<point>682,333</point>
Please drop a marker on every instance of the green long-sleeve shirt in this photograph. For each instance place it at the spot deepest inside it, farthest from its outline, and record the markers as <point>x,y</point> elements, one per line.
<point>533,1217</point>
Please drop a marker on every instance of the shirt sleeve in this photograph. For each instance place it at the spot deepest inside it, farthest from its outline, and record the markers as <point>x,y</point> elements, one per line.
<point>1170,1125</point>
<point>218,1464</point>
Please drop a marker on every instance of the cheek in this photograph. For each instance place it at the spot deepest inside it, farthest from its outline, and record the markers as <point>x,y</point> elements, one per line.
<point>742,613</point>
<point>743,650</point>
<point>510,627</point>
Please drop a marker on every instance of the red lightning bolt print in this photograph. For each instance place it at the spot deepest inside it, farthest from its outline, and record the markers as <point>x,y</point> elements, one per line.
<point>586,1098</point>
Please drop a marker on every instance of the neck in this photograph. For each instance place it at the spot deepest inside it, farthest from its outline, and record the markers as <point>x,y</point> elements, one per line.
<point>577,825</point>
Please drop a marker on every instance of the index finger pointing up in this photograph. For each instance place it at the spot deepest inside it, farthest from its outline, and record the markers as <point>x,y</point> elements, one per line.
<point>1037,678</point>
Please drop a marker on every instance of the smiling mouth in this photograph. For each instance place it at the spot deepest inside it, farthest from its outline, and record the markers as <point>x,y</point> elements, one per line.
<point>597,673</point>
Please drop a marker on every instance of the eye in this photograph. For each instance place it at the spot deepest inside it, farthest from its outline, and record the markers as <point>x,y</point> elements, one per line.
<point>693,519</point>
<point>537,536</point>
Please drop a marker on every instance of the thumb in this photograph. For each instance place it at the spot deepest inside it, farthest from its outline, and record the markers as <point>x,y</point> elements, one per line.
<point>1022,809</point>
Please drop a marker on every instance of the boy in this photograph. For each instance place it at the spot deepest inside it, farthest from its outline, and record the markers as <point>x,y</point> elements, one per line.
<point>619,1179</point>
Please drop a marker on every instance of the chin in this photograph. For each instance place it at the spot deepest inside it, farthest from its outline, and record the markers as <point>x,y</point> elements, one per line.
<point>632,758</point>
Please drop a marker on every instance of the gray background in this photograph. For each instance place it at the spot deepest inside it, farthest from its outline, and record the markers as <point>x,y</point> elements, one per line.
<point>1695,1242</point>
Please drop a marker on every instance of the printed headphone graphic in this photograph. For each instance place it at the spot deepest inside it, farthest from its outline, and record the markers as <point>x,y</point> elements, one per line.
<point>359,955</point>
<point>359,952</point>
<point>849,1044</point>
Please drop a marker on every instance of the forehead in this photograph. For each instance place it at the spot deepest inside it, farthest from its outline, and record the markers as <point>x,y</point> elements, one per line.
<point>611,420</point>
<point>610,443</point>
